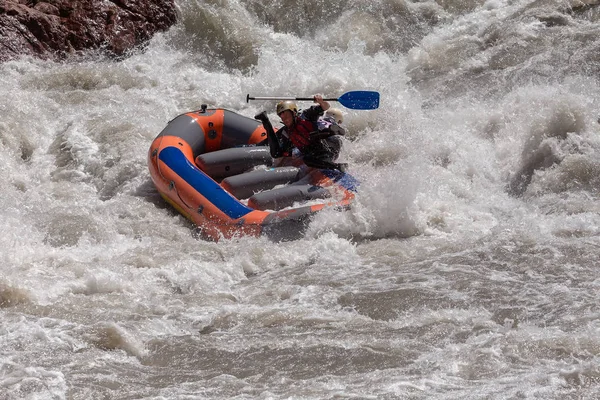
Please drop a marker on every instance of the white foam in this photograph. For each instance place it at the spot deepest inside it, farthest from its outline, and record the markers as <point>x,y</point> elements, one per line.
<point>88,244</point>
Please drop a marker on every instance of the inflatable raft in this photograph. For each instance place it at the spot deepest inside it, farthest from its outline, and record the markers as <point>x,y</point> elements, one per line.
<point>210,166</point>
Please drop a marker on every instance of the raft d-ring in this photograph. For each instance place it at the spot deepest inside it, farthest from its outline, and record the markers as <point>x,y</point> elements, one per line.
<point>155,152</point>
<point>200,209</point>
<point>171,185</point>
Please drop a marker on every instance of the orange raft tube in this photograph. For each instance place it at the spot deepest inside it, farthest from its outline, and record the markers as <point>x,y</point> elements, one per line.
<point>176,168</point>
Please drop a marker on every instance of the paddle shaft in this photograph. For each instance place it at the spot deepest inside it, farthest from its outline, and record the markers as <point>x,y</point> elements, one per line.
<point>286,98</point>
<point>357,100</point>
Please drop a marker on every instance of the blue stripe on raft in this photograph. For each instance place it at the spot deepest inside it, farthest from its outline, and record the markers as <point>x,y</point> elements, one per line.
<point>229,205</point>
<point>345,180</point>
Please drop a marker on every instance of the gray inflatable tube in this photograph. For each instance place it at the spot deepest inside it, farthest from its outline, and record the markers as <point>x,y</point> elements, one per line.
<point>280,198</point>
<point>228,162</point>
<point>245,185</point>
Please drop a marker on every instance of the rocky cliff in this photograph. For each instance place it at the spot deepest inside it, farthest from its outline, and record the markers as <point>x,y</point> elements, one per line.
<point>55,29</point>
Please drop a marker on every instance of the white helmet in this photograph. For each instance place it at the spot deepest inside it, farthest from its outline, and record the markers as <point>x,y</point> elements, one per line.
<point>287,105</point>
<point>336,114</point>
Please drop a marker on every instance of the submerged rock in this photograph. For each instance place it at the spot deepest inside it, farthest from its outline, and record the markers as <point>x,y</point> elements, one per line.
<point>55,29</point>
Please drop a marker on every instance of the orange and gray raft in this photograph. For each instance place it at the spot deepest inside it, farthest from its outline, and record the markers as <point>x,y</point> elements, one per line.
<point>212,166</point>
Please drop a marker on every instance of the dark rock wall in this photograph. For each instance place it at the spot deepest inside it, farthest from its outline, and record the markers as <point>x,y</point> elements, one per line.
<point>56,29</point>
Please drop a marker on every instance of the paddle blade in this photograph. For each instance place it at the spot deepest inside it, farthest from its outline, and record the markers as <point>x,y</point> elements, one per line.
<point>360,100</point>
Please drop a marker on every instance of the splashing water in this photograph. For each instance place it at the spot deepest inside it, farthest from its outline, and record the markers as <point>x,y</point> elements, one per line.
<point>466,269</point>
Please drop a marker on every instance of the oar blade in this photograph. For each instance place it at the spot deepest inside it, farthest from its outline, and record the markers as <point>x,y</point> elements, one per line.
<point>360,100</point>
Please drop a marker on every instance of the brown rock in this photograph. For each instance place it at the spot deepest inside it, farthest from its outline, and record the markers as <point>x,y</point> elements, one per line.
<point>55,29</point>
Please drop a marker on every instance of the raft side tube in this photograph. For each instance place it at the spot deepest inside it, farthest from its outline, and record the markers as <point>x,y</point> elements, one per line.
<point>240,130</point>
<point>245,185</point>
<point>228,162</point>
<point>175,160</point>
<point>187,129</point>
<point>277,199</point>
<point>343,179</point>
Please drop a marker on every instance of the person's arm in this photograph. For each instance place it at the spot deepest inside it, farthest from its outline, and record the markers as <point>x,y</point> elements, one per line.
<point>324,104</point>
<point>275,147</point>
<point>327,132</point>
<point>314,112</point>
<point>283,146</point>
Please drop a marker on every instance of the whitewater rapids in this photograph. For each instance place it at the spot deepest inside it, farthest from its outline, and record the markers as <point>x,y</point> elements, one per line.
<point>468,267</point>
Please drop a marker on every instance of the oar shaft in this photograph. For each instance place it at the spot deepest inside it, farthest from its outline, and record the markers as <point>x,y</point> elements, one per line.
<point>356,100</point>
<point>248,98</point>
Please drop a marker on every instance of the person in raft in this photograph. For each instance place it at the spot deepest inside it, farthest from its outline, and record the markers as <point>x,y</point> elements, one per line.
<point>317,139</point>
<point>335,115</point>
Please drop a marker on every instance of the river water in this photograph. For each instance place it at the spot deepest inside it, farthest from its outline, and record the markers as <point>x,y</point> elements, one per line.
<point>467,269</point>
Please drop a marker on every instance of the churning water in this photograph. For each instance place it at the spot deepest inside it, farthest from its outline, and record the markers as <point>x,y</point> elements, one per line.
<point>468,267</point>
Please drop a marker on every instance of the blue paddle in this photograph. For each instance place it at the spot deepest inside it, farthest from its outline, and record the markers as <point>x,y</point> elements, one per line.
<point>356,100</point>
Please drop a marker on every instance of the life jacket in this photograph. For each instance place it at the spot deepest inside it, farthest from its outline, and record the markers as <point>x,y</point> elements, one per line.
<point>306,133</point>
<point>299,135</point>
